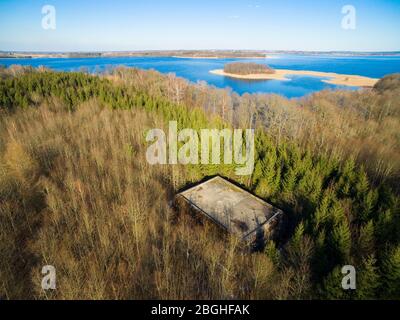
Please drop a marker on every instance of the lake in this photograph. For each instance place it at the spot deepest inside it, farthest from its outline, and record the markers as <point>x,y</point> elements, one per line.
<point>198,69</point>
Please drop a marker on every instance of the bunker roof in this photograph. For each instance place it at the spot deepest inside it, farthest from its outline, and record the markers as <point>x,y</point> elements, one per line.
<point>233,208</point>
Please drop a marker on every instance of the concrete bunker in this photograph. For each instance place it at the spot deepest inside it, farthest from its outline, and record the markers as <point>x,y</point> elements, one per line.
<point>235,210</point>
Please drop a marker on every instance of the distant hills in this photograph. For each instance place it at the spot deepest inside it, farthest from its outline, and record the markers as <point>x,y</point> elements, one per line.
<point>209,54</point>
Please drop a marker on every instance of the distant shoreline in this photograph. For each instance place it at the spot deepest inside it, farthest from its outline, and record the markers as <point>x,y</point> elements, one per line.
<point>222,57</point>
<point>191,54</point>
<point>282,75</point>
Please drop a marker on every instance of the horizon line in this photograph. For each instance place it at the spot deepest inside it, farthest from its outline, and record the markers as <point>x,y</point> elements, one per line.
<point>211,50</point>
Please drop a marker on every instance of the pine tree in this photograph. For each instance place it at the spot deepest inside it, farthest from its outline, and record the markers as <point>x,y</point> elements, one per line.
<point>362,184</point>
<point>289,180</point>
<point>391,274</point>
<point>272,252</point>
<point>385,228</point>
<point>346,177</point>
<point>257,172</point>
<point>265,171</point>
<point>366,206</point>
<point>336,213</point>
<point>332,286</point>
<point>298,236</point>
<point>366,241</point>
<point>322,214</point>
<point>341,242</point>
<point>367,279</point>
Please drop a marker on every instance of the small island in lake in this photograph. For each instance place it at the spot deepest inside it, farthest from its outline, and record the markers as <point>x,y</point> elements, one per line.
<point>250,68</point>
<point>255,71</point>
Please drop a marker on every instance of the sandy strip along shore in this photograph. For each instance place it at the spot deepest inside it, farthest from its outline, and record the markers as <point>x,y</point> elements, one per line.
<point>281,74</point>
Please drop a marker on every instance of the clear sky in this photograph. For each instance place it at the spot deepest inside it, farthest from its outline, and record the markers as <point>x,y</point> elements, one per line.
<point>97,25</point>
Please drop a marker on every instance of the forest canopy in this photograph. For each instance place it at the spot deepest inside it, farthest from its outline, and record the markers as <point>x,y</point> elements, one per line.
<point>77,191</point>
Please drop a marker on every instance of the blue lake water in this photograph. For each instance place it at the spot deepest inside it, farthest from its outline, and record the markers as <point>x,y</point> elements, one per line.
<point>198,70</point>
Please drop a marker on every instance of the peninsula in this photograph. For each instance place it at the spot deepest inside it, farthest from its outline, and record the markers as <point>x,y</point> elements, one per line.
<point>284,75</point>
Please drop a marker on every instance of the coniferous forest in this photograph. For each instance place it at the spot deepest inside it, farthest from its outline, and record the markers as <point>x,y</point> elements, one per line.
<point>77,192</point>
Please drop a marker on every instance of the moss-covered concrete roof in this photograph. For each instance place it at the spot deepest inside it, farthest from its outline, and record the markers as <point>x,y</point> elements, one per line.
<point>233,208</point>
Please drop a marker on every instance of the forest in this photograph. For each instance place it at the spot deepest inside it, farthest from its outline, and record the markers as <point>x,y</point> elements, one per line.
<point>77,193</point>
<point>246,68</point>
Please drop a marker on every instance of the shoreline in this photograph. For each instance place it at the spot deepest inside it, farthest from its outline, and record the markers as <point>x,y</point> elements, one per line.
<point>221,57</point>
<point>281,74</point>
<point>128,55</point>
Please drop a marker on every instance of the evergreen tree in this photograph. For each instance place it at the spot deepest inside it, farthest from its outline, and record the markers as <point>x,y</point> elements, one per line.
<point>336,213</point>
<point>321,215</point>
<point>332,286</point>
<point>367,279</point>
<point>347,177</point>
<point>272,252</point>
<point>366,242</point>
<point>289,180</point>
<point>298,236</point>
<point>341,242</point>
<point>386,228</point>
<point>362,184</point>
<point>367,204</point>
<point>391,274</point>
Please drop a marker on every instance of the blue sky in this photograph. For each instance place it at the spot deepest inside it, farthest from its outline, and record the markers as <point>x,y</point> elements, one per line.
<point>208,24</point>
